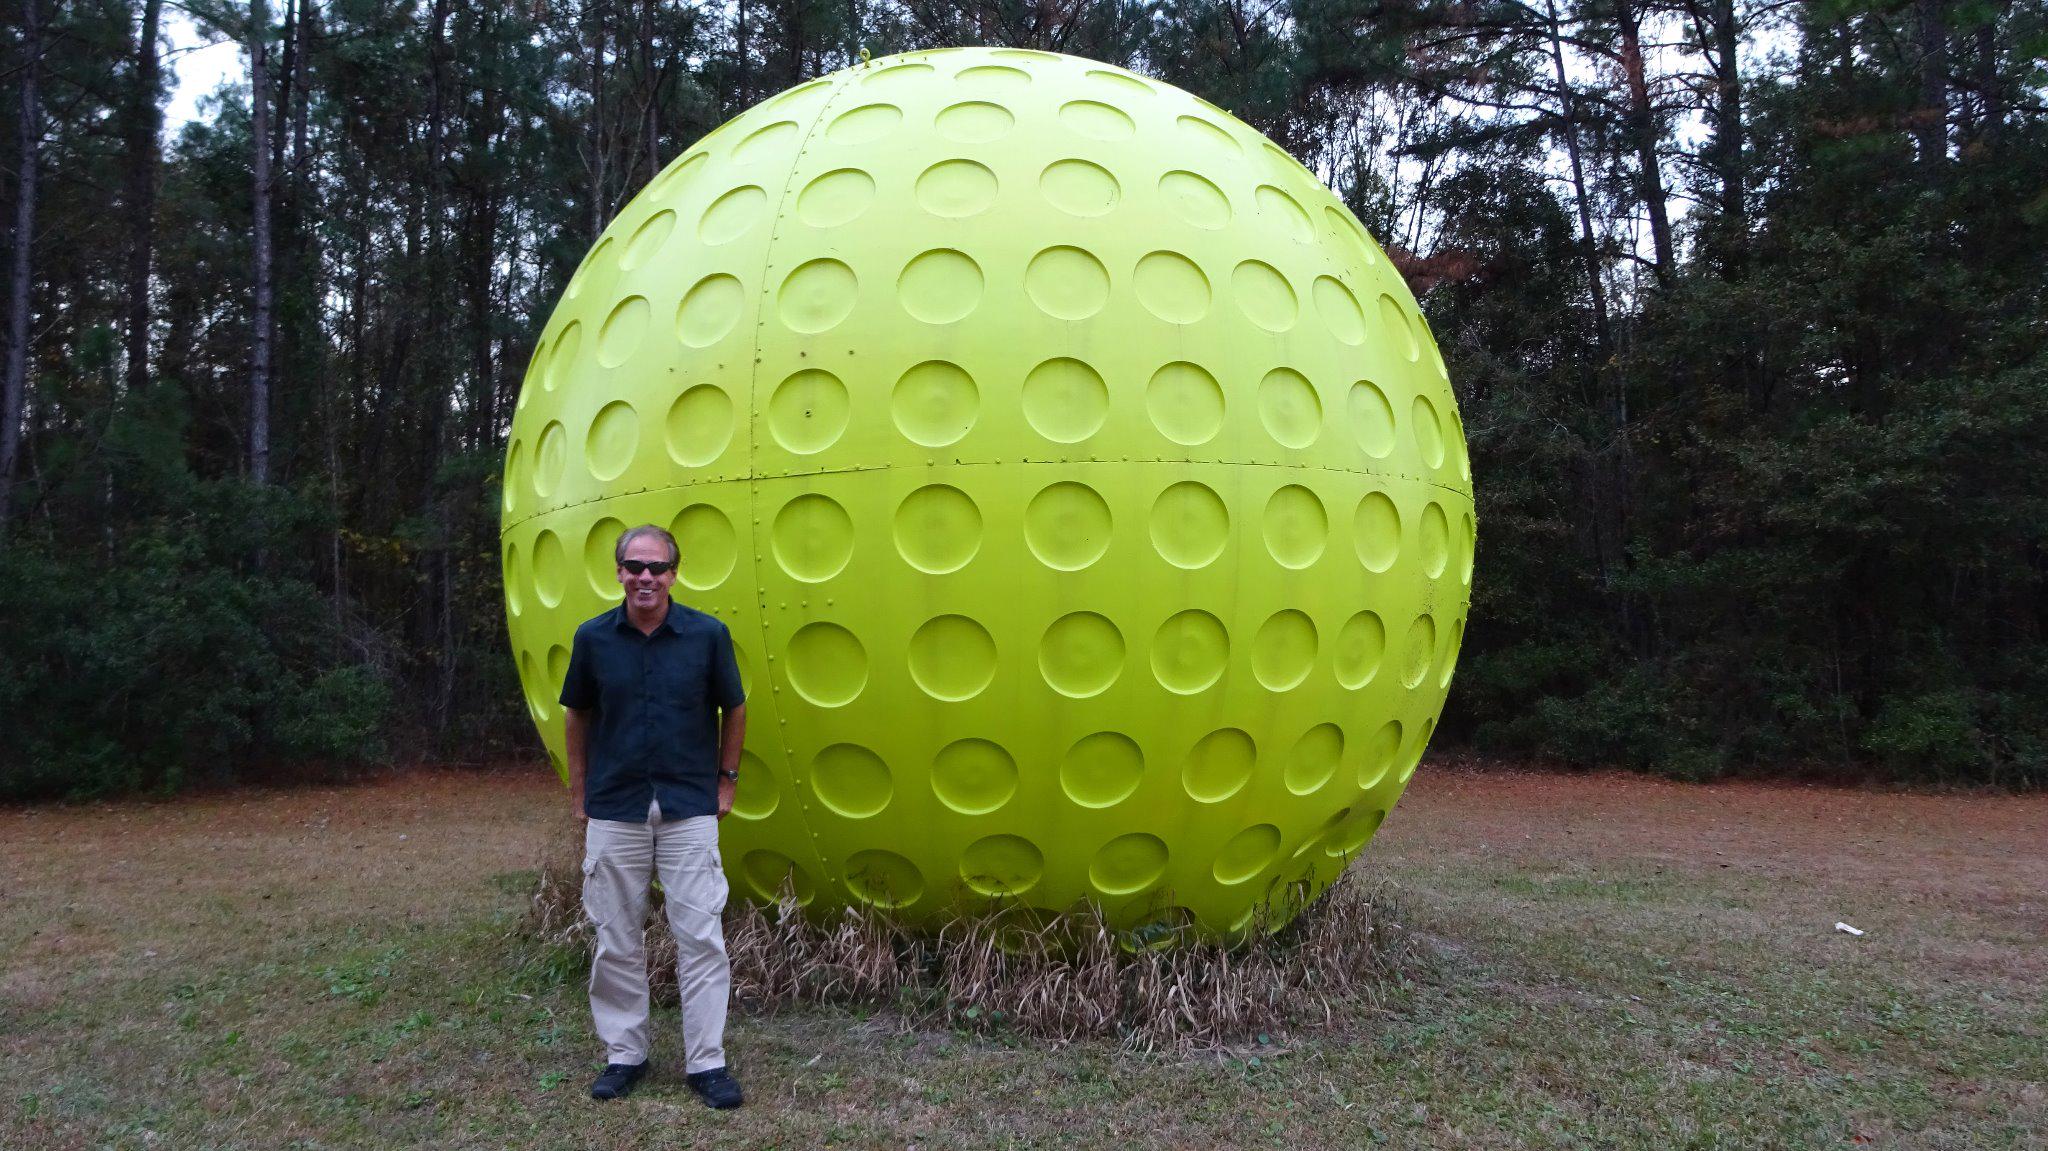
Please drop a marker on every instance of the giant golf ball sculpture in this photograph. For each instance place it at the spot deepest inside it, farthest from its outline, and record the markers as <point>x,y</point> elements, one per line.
<point>1083,491</point>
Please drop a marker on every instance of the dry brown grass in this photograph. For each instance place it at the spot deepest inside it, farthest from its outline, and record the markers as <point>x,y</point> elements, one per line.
<point>1614,961</point>
<point>1053,977</point>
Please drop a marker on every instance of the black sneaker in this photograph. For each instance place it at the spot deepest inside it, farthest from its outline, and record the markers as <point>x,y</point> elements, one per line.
<point>618,1080</point>
<point>716,1087</point>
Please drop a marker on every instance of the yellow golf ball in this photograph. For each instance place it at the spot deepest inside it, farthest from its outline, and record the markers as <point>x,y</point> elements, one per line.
<point>1082,488</point>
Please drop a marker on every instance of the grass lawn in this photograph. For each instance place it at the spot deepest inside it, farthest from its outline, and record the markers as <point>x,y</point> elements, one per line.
<point>1618,962</point>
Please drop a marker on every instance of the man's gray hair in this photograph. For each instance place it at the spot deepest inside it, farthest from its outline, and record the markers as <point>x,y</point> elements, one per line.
<point>626,538</point>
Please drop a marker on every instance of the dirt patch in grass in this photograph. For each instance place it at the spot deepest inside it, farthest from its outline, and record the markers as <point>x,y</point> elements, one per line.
<point>97,894</point>
<point>1622,962</point>
<point>1957,848</point>
<point>1957,882</point>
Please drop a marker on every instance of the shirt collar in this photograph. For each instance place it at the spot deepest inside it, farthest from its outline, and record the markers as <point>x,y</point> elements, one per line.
<point>624,621</point>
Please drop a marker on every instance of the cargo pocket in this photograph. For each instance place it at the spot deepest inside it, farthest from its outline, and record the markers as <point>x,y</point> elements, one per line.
<point>595,892</point>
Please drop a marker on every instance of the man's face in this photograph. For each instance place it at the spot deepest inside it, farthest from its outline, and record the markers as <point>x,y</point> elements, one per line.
<point>646,591</point>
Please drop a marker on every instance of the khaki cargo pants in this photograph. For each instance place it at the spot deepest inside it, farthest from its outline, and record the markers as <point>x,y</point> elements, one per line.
<point>619,862</point>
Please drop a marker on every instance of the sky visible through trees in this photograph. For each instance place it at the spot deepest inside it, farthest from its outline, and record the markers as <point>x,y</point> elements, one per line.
<point>1743,302</point>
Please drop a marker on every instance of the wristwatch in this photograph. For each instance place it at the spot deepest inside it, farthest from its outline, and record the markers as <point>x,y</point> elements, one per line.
<point>731,775</point>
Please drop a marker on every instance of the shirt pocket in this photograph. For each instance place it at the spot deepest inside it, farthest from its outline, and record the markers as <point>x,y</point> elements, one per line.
<point>680,682</point>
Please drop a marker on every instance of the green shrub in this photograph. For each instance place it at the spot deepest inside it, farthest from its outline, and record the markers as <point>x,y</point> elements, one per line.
<point>1961,735</point>
<point>155,657</point>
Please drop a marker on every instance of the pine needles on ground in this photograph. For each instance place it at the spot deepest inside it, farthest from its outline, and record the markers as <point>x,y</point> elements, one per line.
<point>1058,978</point>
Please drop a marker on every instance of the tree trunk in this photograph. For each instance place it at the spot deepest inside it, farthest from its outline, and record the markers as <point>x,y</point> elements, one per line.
<point>439,633</point>
<point>1594,290</point>
<point>746,64</point>
<point>598,140</point>
<point>287,85</point>
<point>1642,127</point>
<point>1991,101</point>
<point>341,387</point>
<point>309,12</point>
<point>334,508</point>
<point>650,107</point>
<point>13,397</point>
<point>793,44</point>
<point>1729,139</point>
<point>145,125</point>
<point>480,235</point>
<point>260,318</point>
<point>1930,120</point>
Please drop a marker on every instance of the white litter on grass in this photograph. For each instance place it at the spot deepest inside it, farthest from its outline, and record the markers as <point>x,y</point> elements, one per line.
<point>1839,926</point>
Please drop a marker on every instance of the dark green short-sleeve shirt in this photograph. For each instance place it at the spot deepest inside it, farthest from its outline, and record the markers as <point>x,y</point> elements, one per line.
<point>654,701</point>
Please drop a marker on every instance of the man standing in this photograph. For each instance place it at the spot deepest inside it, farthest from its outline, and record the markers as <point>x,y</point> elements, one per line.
<point>653,765</point>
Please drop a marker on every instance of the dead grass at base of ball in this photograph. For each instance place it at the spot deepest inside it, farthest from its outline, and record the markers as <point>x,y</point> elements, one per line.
<point>1054,977</point>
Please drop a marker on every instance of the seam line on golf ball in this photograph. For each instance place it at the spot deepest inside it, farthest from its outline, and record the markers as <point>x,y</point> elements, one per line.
<point>753,478</point>
<point>847,78</point>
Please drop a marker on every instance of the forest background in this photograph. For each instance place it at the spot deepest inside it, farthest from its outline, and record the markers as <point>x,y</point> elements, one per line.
<point>1744,302</point>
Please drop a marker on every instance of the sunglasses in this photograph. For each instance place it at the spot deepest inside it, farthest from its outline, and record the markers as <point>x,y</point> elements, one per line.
<point>658,567</point>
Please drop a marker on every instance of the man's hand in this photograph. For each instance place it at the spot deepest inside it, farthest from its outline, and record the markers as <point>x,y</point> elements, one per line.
<point>726,790</point>
<point>581,817</point>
